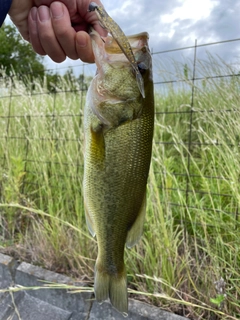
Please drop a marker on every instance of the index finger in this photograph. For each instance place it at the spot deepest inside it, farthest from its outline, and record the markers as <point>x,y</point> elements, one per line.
<point>63,30</point>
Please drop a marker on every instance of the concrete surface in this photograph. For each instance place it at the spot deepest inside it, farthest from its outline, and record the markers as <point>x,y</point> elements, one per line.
<point>58,304</point>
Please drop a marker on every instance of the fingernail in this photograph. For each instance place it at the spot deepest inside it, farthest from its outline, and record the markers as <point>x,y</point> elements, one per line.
<point>43,13</point>
<point>57,10</point>
<point>34,14</point>
<point>81,41</point>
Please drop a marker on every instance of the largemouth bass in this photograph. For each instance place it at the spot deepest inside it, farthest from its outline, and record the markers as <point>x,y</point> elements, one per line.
<point>119,36</point>
<point>118,132</point>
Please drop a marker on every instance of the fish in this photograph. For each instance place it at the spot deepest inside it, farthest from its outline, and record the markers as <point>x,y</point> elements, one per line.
<point>114,29</point>
<point>118,132</point>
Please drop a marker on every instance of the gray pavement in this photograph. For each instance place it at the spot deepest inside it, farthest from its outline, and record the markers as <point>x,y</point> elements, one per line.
<point>58,304</point>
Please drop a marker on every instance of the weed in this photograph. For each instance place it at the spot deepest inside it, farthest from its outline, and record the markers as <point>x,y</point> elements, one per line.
<point>191,235</point>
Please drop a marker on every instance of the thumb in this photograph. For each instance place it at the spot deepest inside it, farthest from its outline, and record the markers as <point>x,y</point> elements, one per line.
<point>18,13</point>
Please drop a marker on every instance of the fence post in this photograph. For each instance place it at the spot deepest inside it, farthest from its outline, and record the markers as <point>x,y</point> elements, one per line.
<point>28,120</point>
<point>53,141</point>
<point>8,123</point>
<point>190,136</point>
<point>80,122</point>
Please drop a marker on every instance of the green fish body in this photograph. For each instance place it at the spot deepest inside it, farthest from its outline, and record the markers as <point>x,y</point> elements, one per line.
<point>118,132</point>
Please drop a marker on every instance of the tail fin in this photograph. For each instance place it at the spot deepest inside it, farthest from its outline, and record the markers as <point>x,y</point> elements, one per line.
<point>113,287</point>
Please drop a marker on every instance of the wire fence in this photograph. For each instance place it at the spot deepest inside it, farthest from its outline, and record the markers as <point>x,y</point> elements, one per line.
<point>56,146</point>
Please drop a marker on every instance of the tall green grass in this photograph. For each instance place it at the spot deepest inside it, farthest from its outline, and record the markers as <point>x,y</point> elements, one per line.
<point>188,258</point>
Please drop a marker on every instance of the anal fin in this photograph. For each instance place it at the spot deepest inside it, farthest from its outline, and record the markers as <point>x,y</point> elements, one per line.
<point>134,234</point>
<point>89,221</point>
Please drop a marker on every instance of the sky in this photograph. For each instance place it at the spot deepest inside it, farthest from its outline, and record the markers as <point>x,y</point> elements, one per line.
<point>174,24</point>
<point>177,23</point>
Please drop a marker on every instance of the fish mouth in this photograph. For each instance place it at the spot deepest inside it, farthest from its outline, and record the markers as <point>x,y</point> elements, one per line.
<point>113,67</point>
<point>107,50</point>
<point>137,42</point>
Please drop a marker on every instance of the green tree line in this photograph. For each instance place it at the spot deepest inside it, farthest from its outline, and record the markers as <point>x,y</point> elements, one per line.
<point>20,62</point>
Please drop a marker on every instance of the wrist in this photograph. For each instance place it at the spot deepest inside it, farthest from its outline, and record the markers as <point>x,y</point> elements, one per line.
<point>4,8</point>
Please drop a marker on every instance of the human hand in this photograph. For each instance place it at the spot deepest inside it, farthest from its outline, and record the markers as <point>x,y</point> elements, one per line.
<point>57,28</point>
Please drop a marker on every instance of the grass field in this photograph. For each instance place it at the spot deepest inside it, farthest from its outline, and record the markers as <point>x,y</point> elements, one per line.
<point>188,259</point>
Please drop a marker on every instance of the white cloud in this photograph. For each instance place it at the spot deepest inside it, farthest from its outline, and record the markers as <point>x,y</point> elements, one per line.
<point>189,9</point>
<point>175,23</point>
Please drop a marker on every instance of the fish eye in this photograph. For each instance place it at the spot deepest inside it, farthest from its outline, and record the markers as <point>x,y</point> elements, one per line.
<point>92,6</point>
<point>142,67</point>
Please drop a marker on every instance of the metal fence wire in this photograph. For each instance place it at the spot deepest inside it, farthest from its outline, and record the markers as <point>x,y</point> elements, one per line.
<point>196,93</point>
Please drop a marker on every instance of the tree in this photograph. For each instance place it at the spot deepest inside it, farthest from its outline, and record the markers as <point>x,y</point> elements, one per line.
<point>68,81</point>
<point>16,54</point>
<point>19,60</point>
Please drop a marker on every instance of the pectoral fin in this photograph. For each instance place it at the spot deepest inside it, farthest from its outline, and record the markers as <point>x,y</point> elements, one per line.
<point>134,234</point>
<point>89,221</point>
